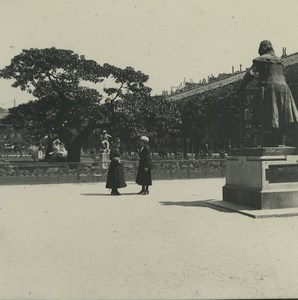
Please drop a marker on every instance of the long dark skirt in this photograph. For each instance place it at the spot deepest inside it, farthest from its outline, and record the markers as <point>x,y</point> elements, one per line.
<point>279,106</point>
<point>115,177</point>
<point>143,177</point>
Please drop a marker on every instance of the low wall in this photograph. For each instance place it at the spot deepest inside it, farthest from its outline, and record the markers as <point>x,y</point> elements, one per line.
<point>53,173</point>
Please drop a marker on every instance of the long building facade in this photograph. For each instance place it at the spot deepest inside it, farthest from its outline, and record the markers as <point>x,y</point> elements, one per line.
<point>239,126</point>
<point>288,61</point>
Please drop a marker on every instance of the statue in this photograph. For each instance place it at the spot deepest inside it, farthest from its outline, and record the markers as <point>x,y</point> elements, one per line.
<point>105,141</point>
<point>279,106</point>
<point>59,153</point>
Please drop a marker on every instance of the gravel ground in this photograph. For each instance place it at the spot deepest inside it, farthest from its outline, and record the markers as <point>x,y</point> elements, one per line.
<point>75,241</point>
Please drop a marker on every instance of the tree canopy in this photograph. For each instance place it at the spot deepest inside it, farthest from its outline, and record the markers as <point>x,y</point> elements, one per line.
<point>211,118</point>
<point>69,92</point>
<point>73,95</point>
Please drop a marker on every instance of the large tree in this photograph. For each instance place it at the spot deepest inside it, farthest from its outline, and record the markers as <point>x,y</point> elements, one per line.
<point>211,118</point>
<point>64,101</point>
<point>140,114</point>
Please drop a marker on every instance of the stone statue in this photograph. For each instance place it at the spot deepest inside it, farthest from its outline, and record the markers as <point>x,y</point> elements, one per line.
<point>279,106</point>
<point>105,141</point>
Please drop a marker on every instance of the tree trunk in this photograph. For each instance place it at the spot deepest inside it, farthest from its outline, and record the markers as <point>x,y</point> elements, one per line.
<point>74,151</point>
<point>75,146</point>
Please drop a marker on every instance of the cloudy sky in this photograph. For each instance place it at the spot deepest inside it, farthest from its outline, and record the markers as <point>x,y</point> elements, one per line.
<point>167,39</point>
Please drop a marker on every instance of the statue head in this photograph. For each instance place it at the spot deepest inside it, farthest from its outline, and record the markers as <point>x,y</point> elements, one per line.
<point>144,139</point>
<point>265,47</point>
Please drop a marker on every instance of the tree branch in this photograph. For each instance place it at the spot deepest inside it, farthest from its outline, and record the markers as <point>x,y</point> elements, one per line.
<point>118,91</point>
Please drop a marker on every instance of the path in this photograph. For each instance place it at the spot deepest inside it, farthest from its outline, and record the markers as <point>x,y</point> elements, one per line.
<point>75,241</point>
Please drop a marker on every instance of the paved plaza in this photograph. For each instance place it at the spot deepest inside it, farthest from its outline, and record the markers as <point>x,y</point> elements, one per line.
<point>75,241</point>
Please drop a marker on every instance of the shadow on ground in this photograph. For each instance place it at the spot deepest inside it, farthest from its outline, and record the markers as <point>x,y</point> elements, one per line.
<point>201,203</point>
<point>106,194</point>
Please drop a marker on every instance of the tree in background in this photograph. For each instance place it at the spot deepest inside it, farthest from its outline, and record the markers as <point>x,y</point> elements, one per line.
<point>156,117</point>
<point>210,118</point>
<point>192,133</point>
<point>65,104</point>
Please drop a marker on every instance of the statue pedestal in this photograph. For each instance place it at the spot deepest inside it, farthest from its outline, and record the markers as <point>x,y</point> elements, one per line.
<point>262,178</point>
<point>105,160</point>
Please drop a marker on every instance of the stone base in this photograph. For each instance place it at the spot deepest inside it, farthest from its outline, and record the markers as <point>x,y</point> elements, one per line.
<point>105,160</point>
<point>261,199</point>
<point>252,212</point>
<point>262,178</point>
<point>263,151</point>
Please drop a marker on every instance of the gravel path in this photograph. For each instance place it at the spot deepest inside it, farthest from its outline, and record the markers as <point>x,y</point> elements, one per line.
<point>75,241</point>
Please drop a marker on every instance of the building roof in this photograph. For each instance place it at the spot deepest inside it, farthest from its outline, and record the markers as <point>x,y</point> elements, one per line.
<point>289,60</point>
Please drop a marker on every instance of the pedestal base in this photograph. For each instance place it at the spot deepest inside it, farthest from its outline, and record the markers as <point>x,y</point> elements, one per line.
<point>262,178</point>
<point>105,160</point>
<point>261,199</point>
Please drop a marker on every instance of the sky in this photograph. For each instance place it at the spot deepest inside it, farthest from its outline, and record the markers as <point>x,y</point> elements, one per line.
<point>169,40</point>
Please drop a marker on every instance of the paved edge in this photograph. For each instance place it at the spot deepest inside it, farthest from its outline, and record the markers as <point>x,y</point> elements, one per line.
<point>256,214</point>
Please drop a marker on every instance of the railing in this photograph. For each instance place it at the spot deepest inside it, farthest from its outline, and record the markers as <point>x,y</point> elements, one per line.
<point>180,169</point>
<point>41,172</point>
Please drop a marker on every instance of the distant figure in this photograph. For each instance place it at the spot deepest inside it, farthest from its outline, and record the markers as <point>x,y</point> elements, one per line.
<point>34,152</point>
<point>105,141</point>
<point>115,177</point>
<point>58,153</point>
<point>279,106</point>
<point>145,165</point>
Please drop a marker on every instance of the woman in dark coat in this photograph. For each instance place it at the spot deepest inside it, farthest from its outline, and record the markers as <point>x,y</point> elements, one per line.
<point>145,166</point>
<point>279,106</point>
<point>115,177</point>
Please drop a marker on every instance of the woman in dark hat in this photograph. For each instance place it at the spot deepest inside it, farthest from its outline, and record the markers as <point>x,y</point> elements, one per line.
<point>145,165</point>
<point>115,177</point>
<point>279,106</point>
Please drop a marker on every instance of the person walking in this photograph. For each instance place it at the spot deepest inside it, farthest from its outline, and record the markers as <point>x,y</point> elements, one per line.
<point>115,177</point>
<point>279,106</point>
<point>145,165</point>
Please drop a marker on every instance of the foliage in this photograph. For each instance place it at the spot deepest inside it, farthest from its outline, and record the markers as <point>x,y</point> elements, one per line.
<point>140,114</point>
<point>64,102</point>
<point>74,95</point>
<point>211,118</point>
